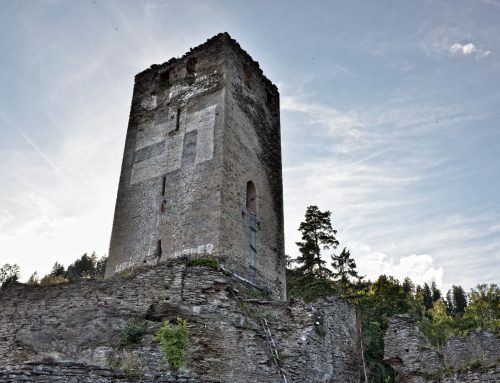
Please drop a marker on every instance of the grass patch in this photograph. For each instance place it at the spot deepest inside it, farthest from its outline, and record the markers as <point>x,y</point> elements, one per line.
<point>204,261</point>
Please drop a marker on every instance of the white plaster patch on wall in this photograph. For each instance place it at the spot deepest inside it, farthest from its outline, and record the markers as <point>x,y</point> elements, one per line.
<point>203,121</point>
<point>185,92</point>
<point>199,250</point>
<point>149,134</point>
<point>149,103</point>
<point>147,169</point>
<point>174,152</point>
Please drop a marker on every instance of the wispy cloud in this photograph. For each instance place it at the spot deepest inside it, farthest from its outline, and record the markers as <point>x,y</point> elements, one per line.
<point>468,49</point>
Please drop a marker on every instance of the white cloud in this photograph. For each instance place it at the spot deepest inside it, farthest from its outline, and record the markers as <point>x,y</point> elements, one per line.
<point>419,268</point>
<point>467,49</point>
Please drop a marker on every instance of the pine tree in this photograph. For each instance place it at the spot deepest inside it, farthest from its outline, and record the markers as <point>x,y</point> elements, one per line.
<point>436,293</point>
<point>58,270</point>
<point>459,299</point>
<point>408,286</point>
<point>449,302</point>
<point>345,267</point>
<point>427,296</point>
<point>317,234</point>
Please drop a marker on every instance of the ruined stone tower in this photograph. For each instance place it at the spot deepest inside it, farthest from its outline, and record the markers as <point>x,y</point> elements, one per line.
<point>201,171</point>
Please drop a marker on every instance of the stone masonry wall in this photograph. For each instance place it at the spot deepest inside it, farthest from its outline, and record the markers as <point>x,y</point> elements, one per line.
<point>201,127</point>
<point>66,332</point>
<point>473,358</point>
<point>252,152</point>
<point>168,200</point>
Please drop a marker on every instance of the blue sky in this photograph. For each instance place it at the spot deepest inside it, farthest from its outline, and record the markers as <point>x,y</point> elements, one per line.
<point>390,119</point>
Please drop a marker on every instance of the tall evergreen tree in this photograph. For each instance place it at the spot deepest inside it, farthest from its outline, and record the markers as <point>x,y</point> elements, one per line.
<point>408,286</point>
<point>427,296</point>
<point>436,293</point>
<point>58,270</point>
<point>459,299</point>
<point>344,267</point>
<point>449,302</point>
<point>317,234</point>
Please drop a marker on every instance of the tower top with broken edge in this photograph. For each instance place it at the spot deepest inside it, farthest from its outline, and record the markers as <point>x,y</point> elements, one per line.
<point>221,36</point>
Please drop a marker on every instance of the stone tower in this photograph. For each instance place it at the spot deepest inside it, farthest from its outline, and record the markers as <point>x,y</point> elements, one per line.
<point>201,171</point>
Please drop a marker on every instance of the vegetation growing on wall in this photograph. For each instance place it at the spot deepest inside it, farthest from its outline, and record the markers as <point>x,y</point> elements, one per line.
<point>133,333</point>
<point>174,342</point>
<point>205,261</point>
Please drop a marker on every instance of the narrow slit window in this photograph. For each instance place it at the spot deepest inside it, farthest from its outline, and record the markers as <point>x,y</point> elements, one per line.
<point>158,249</point>
<point>163,185</point>
<point>251,197</point>
<point>177,122</point>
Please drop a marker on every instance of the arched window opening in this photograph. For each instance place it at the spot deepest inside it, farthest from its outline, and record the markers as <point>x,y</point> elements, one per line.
<point>251,197</point>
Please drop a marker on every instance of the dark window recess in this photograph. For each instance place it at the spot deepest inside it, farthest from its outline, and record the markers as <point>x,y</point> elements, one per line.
<point>251,197</point>
<point>158,249</point>
<point>165,79</point>
<point>269,97</point>
<point>247,72</point>
<point>163,185</point>
<point>191,66</point>
<point>178,120</point>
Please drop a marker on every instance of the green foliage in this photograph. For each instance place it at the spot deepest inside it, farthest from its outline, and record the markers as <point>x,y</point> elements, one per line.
<point>459,300</point>
<point>50,281</point>
<point>345,267</point>
<point>484,307</point>
<point>305,286</point>
<point>252,293</point>
<point>33,280</point>
<point>174,342</point>
<point>58,270</point>
<point>9,274</point>
<point>134,333</point>
<point>205,261</point>
<point>87,267</point>
<point>317,234</point>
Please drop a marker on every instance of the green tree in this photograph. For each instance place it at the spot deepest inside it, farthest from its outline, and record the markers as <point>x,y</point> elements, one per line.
<point>9,274</point>
<point>427,296</point>
<point>100,266</point>
<point>317,234</point>
<point>459,299</point>
<point>484,306</point>
<point>435,292</point>
<point>33,280</point>
<point>344,267</point>
<point>439,327</point>
<point>408,286</point>
<point>86,267</point>
<point>58,270</point>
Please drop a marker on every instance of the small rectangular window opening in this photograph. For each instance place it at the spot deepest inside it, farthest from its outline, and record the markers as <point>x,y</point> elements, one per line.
<point>163,185</point>
<point>158,249</point>
<point>177,123</point>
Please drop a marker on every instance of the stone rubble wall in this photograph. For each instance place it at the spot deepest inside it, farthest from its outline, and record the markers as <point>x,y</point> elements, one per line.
<point>71,332</point>
<point>473,358</point>
<point>64,372</point>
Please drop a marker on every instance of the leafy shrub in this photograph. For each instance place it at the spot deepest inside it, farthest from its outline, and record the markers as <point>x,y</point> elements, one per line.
<point>134,333</point>
<point>9,274</point>
<point>49,280</point>
<point>205,261</point>
<point>174,341</point>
